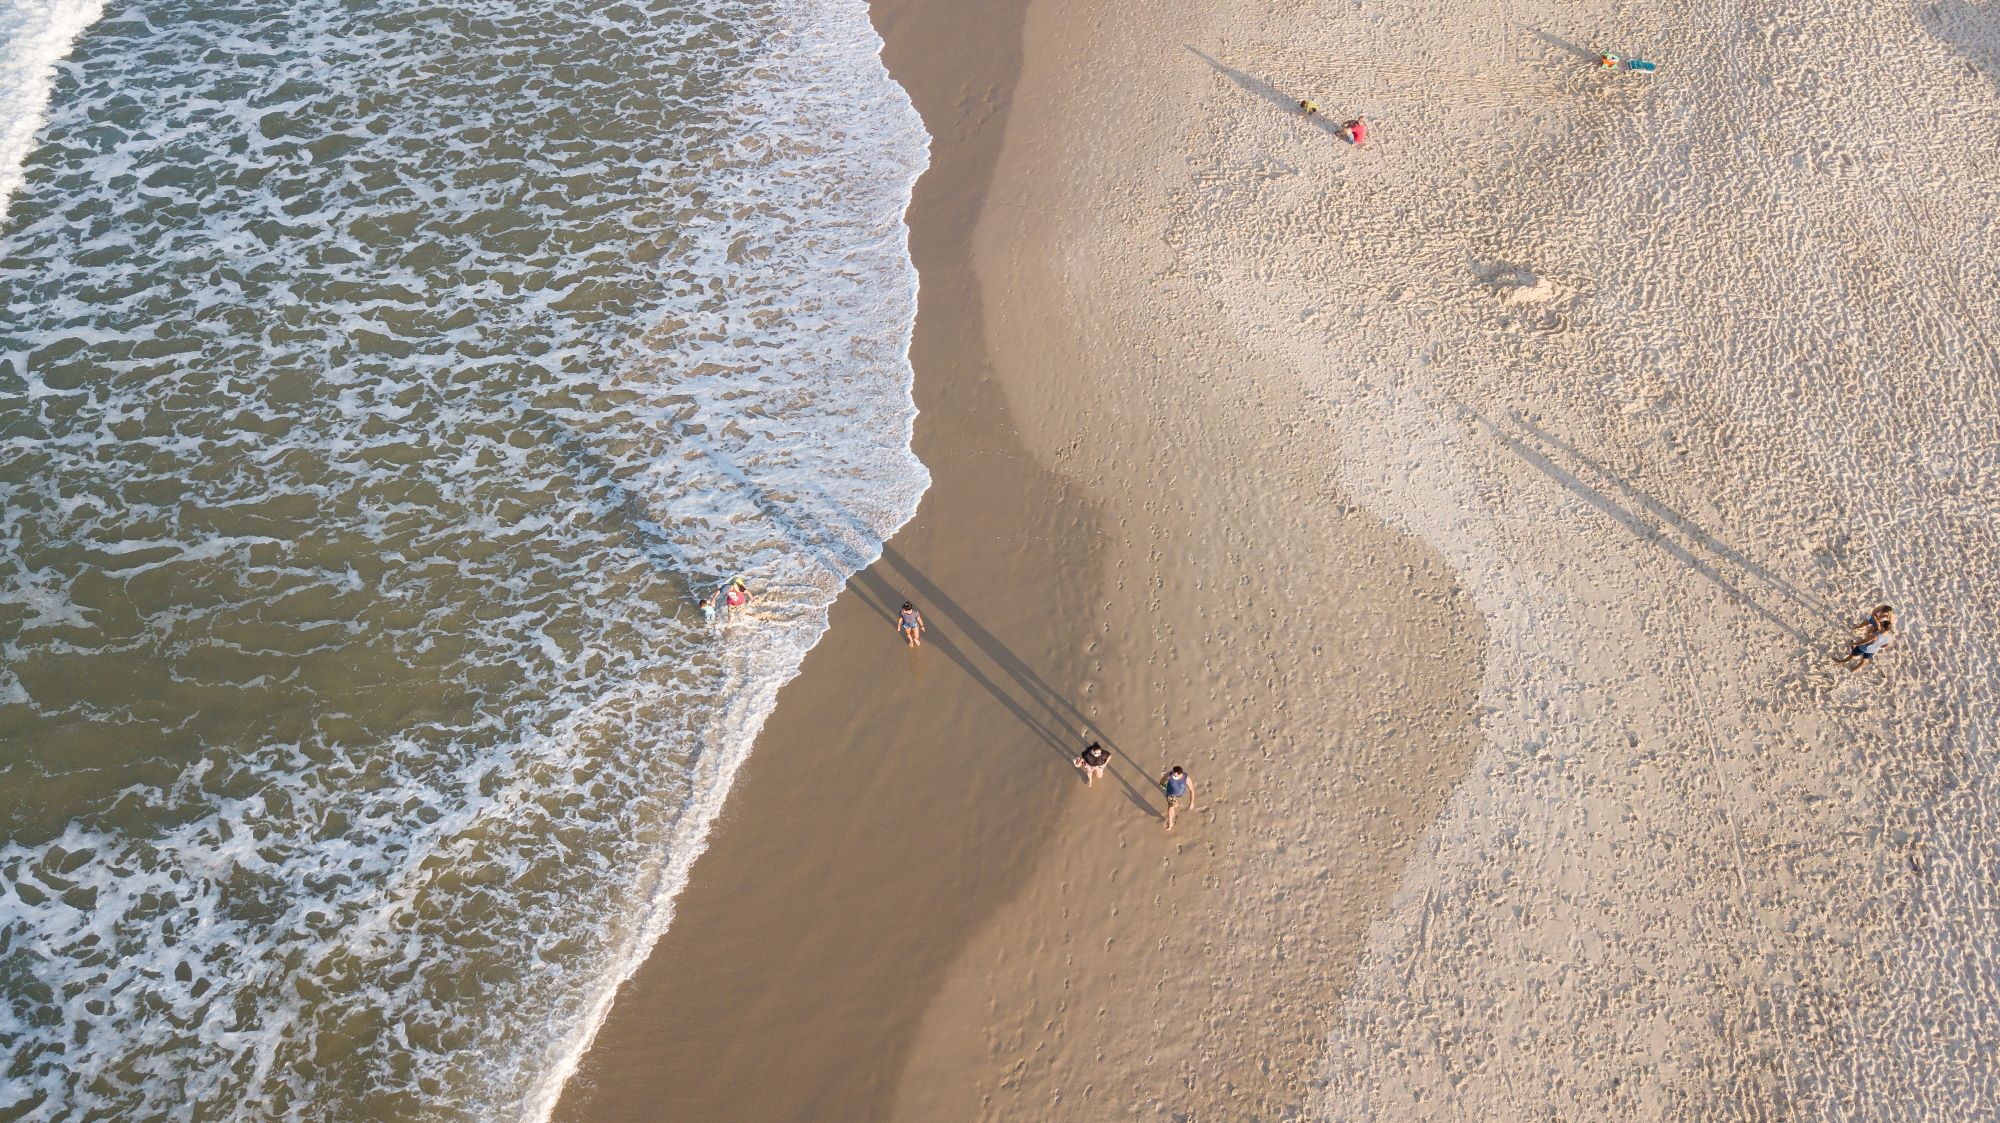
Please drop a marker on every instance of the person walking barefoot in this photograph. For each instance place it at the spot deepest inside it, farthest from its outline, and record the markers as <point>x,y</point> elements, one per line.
<point>1356,132</point>
<point>1876,633</point>
<point>1092,762</point>
<point>910,623</point>
<point>1178,787</point>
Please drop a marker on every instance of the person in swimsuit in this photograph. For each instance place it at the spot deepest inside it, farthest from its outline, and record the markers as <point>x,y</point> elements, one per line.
<point>910,623</point>
<point>1178,787</point>
<point>708,610</point>
<point>1093,761</point>
<point>1877,632</point>
<point>736,597</point>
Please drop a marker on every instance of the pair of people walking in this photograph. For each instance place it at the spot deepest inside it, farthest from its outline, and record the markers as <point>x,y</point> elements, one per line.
<point>1174,783</point>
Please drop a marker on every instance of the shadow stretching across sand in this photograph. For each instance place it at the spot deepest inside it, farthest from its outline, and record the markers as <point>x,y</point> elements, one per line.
<point>1047,712</point>
<point>1267,91</point>
<point>1580,52</point>
<point>1061,724</point>
<point>1652,521</point>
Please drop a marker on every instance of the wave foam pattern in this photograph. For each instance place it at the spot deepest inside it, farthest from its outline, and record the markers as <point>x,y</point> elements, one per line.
<point>377,381</point>
<point>34,37</point>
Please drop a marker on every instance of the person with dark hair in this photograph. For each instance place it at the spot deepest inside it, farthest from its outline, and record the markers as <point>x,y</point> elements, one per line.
<point>1177,787</point>
<point>1875,633</point>
<point>910,623</point>
<point>1093,761</point>
<point>1356,132</point>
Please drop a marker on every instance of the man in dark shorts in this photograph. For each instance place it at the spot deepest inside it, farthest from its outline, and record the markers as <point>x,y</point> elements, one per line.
<point>1877,632</point>
<point>1178,787</point>
<point>1093,761</point>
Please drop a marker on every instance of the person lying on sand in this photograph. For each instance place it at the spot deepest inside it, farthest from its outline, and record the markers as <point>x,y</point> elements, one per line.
<point>1876,632</point>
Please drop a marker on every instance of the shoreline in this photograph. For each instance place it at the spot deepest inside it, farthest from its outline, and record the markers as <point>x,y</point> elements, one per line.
<point>835,935</point>
<point>1479,578</point>
<point>1058,586</point>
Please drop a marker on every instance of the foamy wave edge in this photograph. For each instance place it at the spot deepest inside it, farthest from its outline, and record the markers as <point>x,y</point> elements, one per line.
<point>34,37</point>
<point>743,718</point>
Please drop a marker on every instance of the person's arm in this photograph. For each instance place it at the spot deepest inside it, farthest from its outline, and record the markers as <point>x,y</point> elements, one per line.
<point>920,623</point>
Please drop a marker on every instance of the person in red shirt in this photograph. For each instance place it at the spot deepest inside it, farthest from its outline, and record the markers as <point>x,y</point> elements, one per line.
<point>735,597</point>
<point>1357,131</point>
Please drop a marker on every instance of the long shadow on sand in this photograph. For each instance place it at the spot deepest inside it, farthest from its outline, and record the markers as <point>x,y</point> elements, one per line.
<point>831,539</point>
<point>1043,709</point>
<point>1584,53</point>
<point>1653,521</point>
<point>1265,90</point>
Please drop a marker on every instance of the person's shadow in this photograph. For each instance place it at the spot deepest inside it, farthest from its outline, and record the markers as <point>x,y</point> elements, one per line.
<point>1268,92</point>
<point>1045,711</point>
<point>1659,525</point>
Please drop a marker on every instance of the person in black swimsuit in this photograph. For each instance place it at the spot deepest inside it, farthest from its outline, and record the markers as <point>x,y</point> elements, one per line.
<point>1092,762</point>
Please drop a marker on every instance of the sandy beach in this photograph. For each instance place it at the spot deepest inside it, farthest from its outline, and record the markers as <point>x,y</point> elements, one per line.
<point>1474,514</point>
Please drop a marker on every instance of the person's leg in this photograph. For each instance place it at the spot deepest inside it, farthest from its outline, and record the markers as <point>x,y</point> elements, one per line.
<point>1171,805</point>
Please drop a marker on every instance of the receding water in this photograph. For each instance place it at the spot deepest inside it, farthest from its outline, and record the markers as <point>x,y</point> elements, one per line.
<point>377,383</point>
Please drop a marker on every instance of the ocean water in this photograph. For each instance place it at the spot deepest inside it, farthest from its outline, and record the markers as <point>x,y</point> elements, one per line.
<point>379,381</point>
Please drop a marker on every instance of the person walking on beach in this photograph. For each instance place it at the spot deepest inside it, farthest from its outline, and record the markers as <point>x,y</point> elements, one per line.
<point>736,597</point>
<point>1178,787</point>
<point>910,622</point>
<point>1356,132</point>
<point>1876,632</point>
<point>1092,762</point>
<point>1309,107</point>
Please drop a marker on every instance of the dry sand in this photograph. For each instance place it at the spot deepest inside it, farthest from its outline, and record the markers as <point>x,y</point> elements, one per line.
<point>1473,514</point>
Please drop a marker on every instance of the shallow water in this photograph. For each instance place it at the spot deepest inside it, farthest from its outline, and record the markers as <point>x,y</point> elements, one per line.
<point>378,382</point>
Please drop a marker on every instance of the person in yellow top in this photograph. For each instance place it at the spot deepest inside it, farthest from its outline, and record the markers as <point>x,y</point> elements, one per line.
<point>1308,107</point>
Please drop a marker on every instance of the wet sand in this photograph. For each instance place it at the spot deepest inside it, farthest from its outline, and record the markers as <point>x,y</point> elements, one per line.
<point>1473,515</point>
<point>1086,558</point>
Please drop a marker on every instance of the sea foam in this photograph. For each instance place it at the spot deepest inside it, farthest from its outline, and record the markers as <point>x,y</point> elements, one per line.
<point>34,36</point>
<point>381,387</point>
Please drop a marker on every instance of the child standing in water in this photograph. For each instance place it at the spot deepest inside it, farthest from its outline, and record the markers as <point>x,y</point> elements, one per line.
<point>708,610</point>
